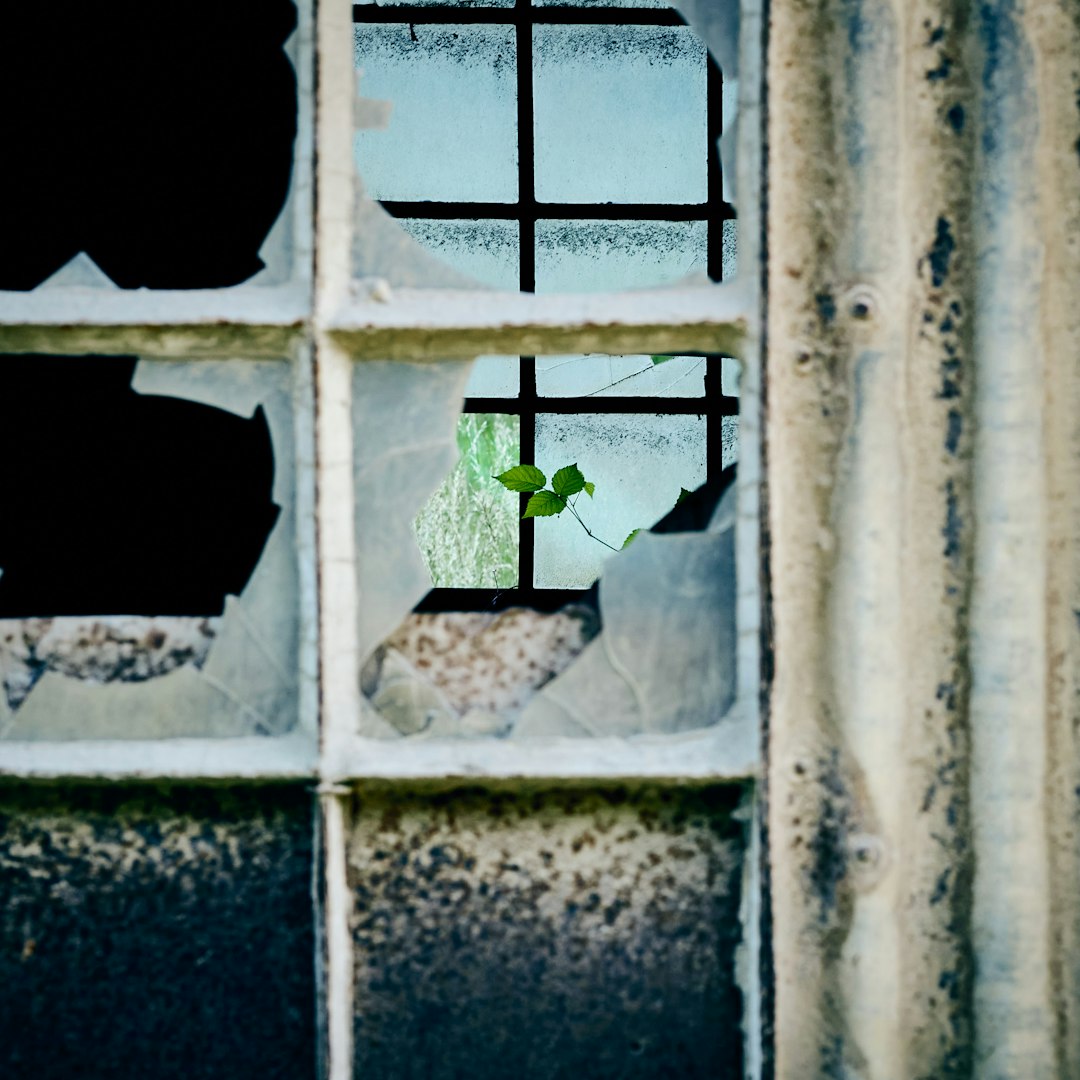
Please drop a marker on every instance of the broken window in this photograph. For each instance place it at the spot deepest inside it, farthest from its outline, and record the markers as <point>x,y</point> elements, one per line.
<point>119,158</point>
<point>554,151</point>
<point>150,552</point>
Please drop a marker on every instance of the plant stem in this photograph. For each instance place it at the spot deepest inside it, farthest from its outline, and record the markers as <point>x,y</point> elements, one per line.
<point>569,506</point>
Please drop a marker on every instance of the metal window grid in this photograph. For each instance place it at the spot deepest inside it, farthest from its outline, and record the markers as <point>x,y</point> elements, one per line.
<point>526,211</point>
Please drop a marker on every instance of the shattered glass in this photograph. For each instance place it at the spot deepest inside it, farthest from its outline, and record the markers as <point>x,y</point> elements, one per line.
<point>205,197</point>
<point>230,672</point>
<point>620,117</point>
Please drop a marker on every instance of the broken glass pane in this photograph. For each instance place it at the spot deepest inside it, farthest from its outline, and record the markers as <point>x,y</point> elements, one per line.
<point>150,588</point>
<point>405,420</point>
<point>639,464</point>
<point>620,114</point>
<point>453,130</point>
<point>468,530</point>
<point>480,663</point>
<point>157,140</point>
<point>668,608</point>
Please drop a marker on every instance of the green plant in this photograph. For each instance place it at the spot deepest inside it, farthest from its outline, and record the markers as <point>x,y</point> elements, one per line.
<point>566,487</point>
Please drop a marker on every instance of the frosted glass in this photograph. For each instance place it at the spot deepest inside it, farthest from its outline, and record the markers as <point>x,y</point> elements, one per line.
<point>638,463</point>
<point>488,251</point>
<point>604,256</point>
<point>494,377</point>
<point>620,376</point>
<point>620,114</point>
<point>729,440</point>
<point>729,249</point>
<point>730,372</point>
<point>585,256</point>
<point>453,129</point>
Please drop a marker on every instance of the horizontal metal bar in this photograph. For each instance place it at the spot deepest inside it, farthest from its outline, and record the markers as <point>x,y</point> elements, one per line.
<point>243,322</point>
<point>727,751</point>
<point>429,323</point>
<point>541,211</point>
<point>284,757</point>
<point>419,15</point>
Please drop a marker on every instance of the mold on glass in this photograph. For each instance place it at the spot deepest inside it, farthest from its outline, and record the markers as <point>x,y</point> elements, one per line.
<point>458,141</point>
<point>547,934</point>
<point>620,114</point>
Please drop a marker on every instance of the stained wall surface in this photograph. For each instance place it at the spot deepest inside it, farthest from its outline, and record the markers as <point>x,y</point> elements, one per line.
<point>549,933</point>
<point>156,932</point>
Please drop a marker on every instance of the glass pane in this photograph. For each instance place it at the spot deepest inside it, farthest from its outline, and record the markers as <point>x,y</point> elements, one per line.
<point>173,614</point>
<point>620,376</point>
<point>453,128</point>
<point>730,373</point>
<point>468,531</point>
<point>444,3</point>
<point>603,256</point>
<point>602,3</point>
<point>488,251</point>
<point>620,114</point>
<point>638,462</point>
<point>585,256</point>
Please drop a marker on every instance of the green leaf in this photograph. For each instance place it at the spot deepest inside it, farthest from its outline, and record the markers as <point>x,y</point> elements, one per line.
<point>522,478</point>
<point>630,539</point>
<point>661,359</point>
<point>544,504</point>
<point>590,487</point>
<point>683,494</point>
<point>568,481</point>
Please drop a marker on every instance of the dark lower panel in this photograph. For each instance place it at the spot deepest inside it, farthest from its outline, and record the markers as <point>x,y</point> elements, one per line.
<point>156,932</point>
<point>551,934</point>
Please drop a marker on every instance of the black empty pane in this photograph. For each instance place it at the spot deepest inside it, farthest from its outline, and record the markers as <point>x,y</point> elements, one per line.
<point>122,503</point>
<point>156,138</point>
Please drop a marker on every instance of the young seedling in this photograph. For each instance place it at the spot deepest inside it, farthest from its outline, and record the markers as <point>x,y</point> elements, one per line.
<point>566,487</point>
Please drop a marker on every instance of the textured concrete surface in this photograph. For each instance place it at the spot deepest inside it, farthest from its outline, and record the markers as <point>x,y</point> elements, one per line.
<point>547,934</point>
<point>156,932</point>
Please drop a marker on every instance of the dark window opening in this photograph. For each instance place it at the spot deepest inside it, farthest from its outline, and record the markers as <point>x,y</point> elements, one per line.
<point>118,503</point>
<point>157,139</point>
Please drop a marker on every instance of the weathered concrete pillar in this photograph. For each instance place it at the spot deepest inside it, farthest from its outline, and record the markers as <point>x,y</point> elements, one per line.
<point>923,531</point>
